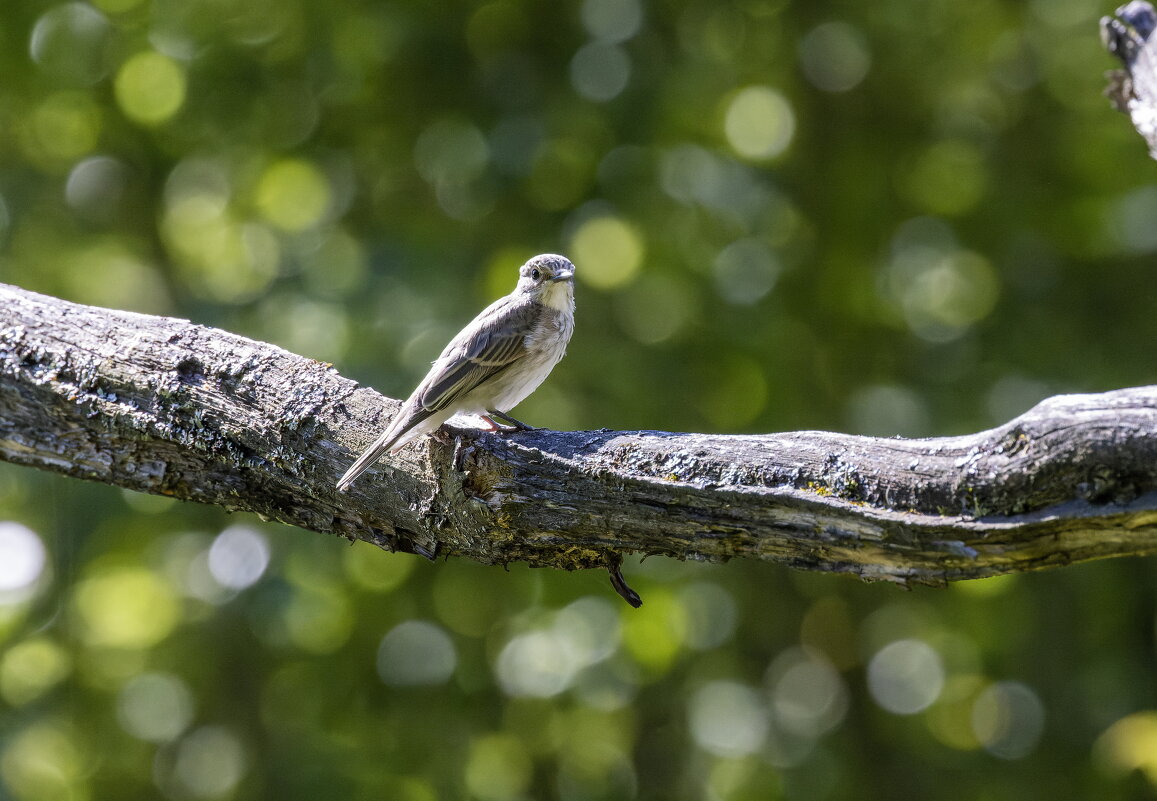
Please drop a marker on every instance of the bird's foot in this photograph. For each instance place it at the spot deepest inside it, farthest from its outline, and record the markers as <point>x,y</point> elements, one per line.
<point>515,425</point>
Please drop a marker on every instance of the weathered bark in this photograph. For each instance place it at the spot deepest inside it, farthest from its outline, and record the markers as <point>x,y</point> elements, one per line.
<point>1133,90</point>
<point>166,406</point>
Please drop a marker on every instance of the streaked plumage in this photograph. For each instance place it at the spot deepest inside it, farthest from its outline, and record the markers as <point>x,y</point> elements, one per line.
<point>494,362</point>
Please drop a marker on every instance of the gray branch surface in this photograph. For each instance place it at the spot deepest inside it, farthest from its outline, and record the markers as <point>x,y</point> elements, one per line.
<point>1133,90</point>
<point>166,406</point>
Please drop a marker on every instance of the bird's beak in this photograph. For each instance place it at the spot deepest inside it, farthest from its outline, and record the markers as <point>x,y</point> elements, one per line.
<point>565,275</point>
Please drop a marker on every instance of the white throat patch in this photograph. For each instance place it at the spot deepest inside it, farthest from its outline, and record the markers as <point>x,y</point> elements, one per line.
<point>559,296</point>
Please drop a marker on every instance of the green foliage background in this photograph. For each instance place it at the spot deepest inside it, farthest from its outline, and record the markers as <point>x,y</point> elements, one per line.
<point>901,217</point>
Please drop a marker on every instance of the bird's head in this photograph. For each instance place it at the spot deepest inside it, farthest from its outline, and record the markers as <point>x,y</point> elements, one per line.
<point>549,279</point>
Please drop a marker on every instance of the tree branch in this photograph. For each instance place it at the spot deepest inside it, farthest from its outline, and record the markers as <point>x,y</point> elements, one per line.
<point>1133,90</point>
<point>169,407</point>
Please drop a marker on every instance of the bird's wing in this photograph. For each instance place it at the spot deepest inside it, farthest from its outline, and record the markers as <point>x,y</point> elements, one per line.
<point>492,343</point>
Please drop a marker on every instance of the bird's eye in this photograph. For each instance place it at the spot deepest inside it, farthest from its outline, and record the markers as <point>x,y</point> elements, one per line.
<point>535,274</point>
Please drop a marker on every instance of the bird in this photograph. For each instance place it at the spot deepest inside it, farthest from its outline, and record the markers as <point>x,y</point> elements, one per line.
<point>493,363</point>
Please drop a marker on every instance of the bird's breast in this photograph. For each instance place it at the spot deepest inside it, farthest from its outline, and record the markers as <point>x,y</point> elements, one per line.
<point>549,335</point>
<point>545,343</point>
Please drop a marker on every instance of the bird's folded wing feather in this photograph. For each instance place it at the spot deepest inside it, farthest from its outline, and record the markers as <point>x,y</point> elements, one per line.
<point>467,362</point>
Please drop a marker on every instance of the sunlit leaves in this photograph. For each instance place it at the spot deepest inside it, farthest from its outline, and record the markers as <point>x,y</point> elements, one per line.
<point>22,561</point>
<point>759,123</point>
<point>70,42</point>
<point>150,88</point>
<point>497,768</point>
<point>125,607</point>
<point>156,707</point>
<point>835,57</point>
<point>611,250</point>
<point>31,668</point>
<point>62,128</point>
<point>416,653</point>
<point>46,761</point>
<point>1130,744</point>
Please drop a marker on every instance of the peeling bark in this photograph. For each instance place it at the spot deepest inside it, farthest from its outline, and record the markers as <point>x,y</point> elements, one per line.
<point>169,407</point>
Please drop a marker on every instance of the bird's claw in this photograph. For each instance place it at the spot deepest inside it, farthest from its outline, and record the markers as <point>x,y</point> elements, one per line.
<point>514,425</point>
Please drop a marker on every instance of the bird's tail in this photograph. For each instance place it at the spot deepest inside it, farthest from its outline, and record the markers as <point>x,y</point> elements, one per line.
<point>403,428</point>
<point>368,459</point>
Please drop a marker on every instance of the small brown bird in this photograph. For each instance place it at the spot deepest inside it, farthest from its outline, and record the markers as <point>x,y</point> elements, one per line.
<point>494,362</point>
